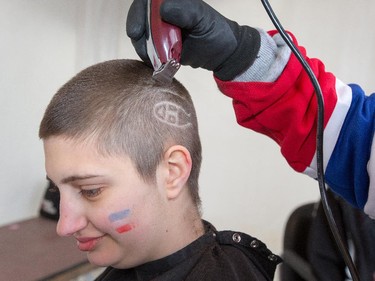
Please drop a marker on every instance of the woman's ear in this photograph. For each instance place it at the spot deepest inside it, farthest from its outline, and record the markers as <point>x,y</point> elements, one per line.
<point>178,161</point>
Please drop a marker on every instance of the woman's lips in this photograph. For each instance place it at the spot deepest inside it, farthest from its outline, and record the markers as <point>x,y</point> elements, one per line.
<point>88,243</point>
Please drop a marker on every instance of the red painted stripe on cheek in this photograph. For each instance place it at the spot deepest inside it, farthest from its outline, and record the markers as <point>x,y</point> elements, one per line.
<point>124,228</point>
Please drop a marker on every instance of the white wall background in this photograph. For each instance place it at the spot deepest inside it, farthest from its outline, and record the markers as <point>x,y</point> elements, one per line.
<point>245,183</point>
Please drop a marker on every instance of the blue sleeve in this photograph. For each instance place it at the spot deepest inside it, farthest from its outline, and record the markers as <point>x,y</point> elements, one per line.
<point>347,172</point>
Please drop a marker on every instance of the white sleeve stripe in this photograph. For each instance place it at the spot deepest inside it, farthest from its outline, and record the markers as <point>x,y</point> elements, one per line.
<point>333,128</point>
<point>370,204</point>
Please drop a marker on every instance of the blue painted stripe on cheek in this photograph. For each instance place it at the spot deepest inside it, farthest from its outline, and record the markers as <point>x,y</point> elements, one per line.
<point>119,215</point>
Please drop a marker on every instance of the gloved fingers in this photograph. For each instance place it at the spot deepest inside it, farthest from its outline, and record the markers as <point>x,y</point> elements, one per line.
<point>185,14</point>
<point>136,19</point>
<point>136,28</point>
<point>208,39</point>
<point>140,47</point>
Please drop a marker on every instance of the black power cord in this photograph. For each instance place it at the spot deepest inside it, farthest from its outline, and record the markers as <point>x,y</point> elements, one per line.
<point>319,142</point>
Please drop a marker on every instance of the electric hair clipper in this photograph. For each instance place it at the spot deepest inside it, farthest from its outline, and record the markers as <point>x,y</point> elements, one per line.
<point>164,44</point>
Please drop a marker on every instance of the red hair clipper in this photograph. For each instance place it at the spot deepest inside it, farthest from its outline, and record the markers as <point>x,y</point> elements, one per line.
<point>164,44</point>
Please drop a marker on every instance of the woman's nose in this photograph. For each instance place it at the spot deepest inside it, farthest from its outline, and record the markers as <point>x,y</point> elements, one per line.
<point>72,217</point>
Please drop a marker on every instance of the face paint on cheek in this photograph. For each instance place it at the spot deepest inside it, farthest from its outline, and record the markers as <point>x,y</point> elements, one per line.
<point>118,216</point>
<point>124,228</point>
<point>118,219</point>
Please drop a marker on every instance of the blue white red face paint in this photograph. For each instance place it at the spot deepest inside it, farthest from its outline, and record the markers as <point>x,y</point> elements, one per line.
<point>120,221</point>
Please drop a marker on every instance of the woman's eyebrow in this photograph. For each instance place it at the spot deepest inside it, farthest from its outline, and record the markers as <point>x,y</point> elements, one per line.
<point>74,178</point>
<point>78,177</point>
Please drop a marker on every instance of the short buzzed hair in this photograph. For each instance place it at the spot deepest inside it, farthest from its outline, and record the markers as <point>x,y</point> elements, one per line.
<point>124,111</point>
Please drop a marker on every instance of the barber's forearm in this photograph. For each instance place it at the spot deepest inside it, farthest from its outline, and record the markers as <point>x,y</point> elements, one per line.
<point>284,108</point>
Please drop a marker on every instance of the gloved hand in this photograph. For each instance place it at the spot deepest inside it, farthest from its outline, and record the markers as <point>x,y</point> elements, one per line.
<point>209,40</point>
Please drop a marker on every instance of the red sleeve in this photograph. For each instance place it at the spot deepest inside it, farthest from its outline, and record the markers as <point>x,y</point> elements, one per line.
<point>285,110</point>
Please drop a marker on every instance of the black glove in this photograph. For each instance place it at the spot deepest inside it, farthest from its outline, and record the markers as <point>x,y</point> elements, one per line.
<point>210,40</point>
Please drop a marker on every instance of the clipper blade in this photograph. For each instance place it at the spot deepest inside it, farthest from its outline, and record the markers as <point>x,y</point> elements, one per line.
<point>166,72</point>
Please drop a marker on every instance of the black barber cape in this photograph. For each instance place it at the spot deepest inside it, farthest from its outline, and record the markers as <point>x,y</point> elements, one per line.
<point>217,256</point>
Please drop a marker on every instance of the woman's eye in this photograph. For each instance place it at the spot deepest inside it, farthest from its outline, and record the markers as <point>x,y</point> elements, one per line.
<point>91,193</point>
